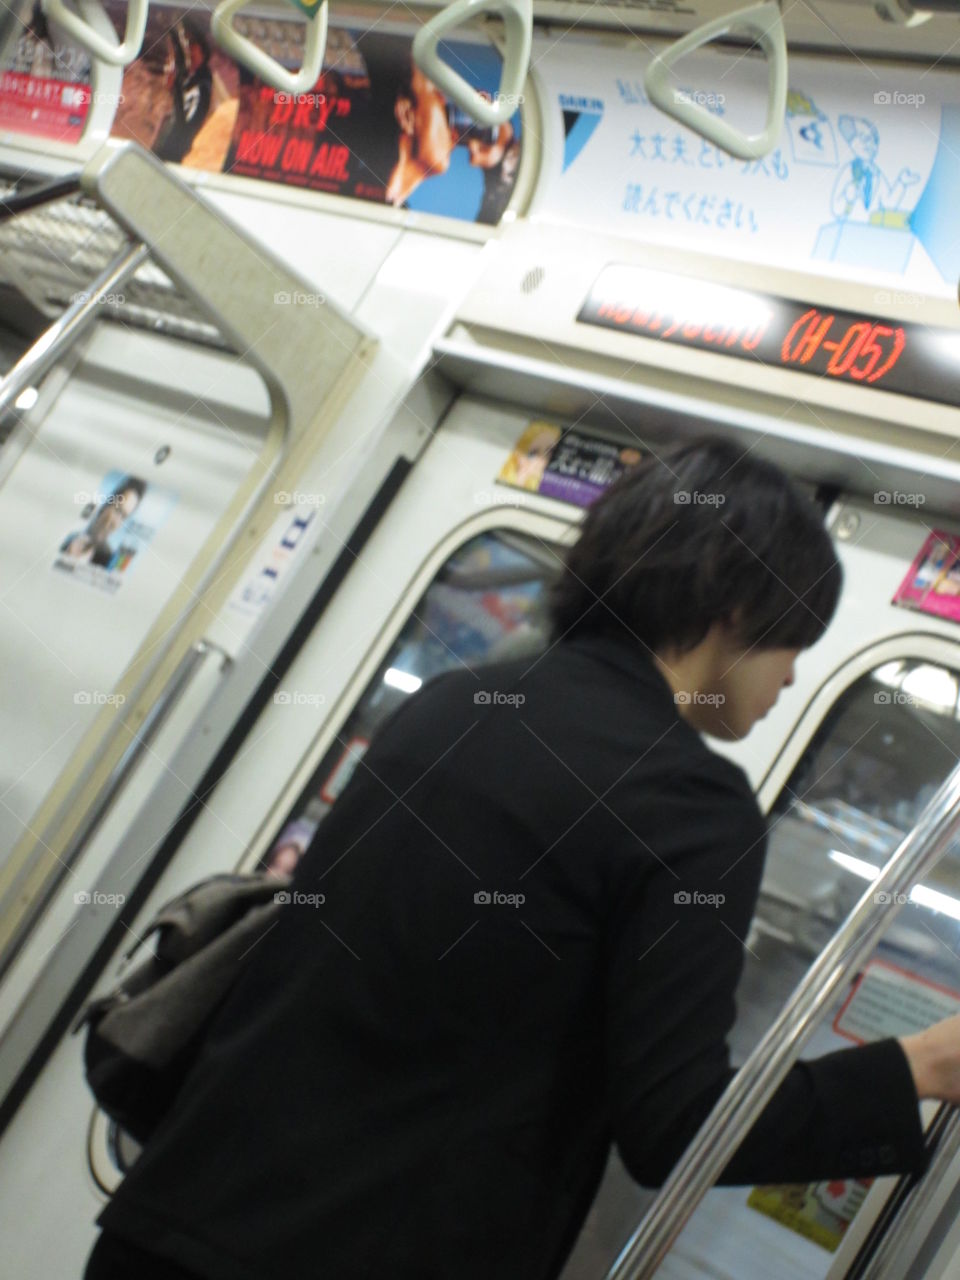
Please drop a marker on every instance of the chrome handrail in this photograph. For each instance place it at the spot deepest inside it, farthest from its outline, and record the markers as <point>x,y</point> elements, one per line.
<point>44,193</point>
<point>65,330</point>
<point>760,1076</point>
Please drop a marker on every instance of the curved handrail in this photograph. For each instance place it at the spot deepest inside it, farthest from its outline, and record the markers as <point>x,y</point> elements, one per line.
<point>518,22</point>
<point>764,23</point>
<point>43,193</point>
<point>118,55</point>
<point>64,331</point>
<point>261,64</point>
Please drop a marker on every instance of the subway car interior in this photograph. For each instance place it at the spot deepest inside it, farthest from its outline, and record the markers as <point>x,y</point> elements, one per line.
<point>378,301</point>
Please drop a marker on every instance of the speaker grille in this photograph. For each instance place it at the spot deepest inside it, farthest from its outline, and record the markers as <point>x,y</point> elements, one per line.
<point>532,280</point>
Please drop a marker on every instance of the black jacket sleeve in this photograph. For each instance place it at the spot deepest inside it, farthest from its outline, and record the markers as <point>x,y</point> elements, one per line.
<point>681,903</point>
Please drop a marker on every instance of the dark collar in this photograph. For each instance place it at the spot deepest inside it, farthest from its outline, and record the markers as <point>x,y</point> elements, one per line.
<point>622,650</point>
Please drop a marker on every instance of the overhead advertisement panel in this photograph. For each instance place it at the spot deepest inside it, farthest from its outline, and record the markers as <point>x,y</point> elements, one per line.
<point>373,127</point>
<point>44,81</point>
<point>863,185</point>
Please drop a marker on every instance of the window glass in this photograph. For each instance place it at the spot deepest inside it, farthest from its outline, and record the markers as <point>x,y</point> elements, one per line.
<point>486,603</point>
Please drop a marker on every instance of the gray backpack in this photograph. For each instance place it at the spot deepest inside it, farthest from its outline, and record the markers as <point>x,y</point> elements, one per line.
<point>143,1037</point>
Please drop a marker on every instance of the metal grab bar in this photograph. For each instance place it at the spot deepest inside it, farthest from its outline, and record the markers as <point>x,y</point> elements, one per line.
<point>53,342</point>
<point>758,1079</point>
<point>518,25</point>
<point>118,55</point>
<point>44,192</point>
<point>261,64</point>
<point>760,21</point>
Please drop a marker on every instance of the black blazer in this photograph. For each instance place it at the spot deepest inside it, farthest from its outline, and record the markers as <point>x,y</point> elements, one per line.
<point>421,1076</point>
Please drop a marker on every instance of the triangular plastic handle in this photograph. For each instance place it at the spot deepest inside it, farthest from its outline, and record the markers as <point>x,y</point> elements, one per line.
<point>118,55</point>
<point>261,64</point>
<point>518,22</point>
<point>763,22</point>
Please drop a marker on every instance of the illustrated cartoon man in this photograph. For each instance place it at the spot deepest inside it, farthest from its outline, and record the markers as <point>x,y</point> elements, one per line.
<point>861,187</point>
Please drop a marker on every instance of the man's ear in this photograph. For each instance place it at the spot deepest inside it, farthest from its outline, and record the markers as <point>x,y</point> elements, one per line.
<point>403,110</point>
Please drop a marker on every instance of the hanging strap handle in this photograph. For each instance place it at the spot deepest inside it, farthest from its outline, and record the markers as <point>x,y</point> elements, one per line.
<point>261,64</point>
<point>518,21</point>
<point>763,22</point>
<point>118,55</point>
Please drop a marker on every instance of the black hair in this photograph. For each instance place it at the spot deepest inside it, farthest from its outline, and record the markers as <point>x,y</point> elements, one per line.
<point>688,538</point>
<point>138,486</point>
<point>389,71</point>
<point>195,33</point>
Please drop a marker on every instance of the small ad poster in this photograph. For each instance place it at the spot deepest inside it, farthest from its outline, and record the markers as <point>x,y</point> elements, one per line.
<point>344,769</point>
<point>567,465</point>
<point>933,582</point>
<point>890,1001</point>
<point>44,81</point>
<point>821,1211</point>
<point>121,519</point>
<point>260,584</point>
<point>373,127</point>
<point>289,847</point>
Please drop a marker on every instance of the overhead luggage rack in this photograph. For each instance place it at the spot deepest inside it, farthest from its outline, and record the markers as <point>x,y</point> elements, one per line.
<point>55,251</point>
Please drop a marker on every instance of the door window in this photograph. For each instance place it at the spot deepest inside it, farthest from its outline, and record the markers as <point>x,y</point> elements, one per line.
<point>486,603</point>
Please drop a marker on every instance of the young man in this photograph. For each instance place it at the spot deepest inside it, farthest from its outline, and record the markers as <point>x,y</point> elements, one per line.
<point>523,955</point>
